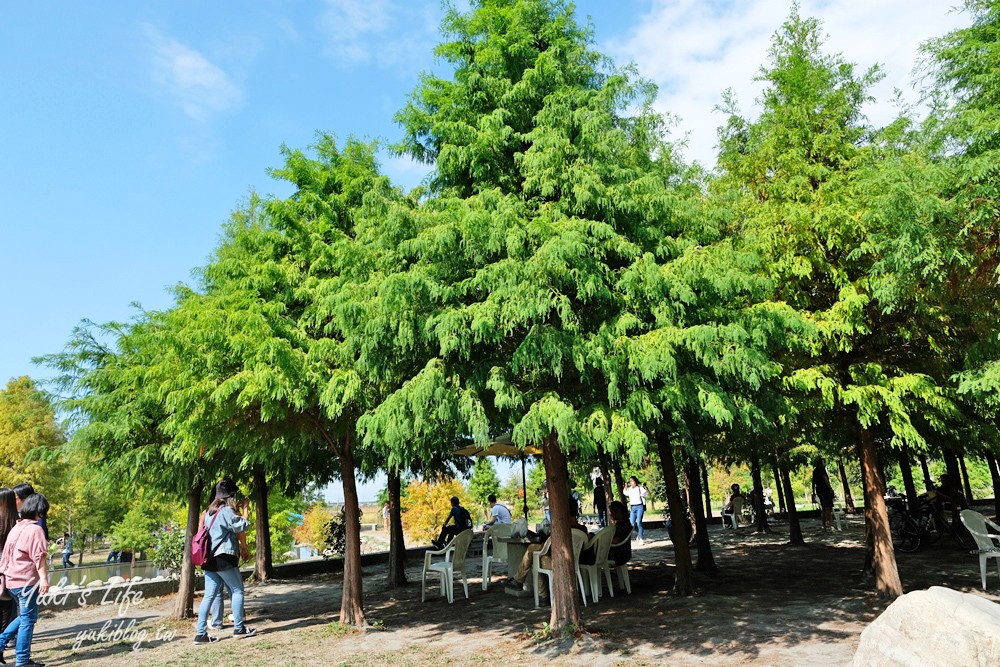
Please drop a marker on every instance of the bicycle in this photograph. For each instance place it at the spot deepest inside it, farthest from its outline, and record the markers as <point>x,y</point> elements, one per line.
<point>909,533</point>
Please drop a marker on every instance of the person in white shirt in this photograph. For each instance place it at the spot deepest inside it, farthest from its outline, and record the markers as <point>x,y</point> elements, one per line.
<point>498,513</point>
<point>636,494</point>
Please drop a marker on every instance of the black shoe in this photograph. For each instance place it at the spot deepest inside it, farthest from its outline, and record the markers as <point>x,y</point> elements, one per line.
<point>244,633</point>
<point>205,639</point>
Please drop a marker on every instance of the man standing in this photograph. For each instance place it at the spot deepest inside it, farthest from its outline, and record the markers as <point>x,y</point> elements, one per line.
<point>498,512</point>
<point>823,491</point>
<point>458,520</point>
<point>600,502</point>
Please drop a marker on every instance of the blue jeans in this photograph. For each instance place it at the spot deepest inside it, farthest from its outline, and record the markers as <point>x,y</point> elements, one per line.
<point>214,581</point>
<point>635,517</point>
<point>218,609</point>
<point>23,624</point>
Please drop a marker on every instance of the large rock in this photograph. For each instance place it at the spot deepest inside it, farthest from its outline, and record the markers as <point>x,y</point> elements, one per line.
<point>936,627</point>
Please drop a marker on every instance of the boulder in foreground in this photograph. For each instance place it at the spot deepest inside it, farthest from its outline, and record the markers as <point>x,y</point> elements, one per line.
<point>935,627</point>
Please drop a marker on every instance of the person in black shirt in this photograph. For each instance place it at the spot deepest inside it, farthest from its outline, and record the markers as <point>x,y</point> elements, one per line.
<point>458,520</point>
<point>600,502</point>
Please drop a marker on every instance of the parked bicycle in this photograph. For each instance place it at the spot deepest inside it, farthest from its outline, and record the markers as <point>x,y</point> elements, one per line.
<point>910,532</point>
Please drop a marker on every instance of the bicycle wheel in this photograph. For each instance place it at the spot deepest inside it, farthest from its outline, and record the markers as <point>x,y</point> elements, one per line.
<point>896,523</point>
<point>905,533</point>
<point>932,531</point>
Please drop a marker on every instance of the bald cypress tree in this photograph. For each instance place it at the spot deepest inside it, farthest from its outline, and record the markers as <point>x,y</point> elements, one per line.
<point>850,223</point>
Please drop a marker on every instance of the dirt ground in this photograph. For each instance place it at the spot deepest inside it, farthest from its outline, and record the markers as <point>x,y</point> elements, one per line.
<point>770,604</point>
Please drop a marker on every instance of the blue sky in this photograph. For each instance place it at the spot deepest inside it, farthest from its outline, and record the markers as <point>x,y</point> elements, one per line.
<point>130,132</point>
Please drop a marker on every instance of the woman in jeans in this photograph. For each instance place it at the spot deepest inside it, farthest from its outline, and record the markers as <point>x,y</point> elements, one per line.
<point>636,494</point>
<point>25,567</point>
<point>223,568</point>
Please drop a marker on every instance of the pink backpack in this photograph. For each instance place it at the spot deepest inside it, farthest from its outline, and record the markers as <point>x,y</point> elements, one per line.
<point>201,543</point>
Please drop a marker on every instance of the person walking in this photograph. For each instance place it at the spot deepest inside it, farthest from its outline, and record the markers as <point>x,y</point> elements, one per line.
<point>24,565</point>
<point>823,491</point>
<point>600,502</point>
<point>67,551</point>
<point>636,494</point>
<point>222,569</point>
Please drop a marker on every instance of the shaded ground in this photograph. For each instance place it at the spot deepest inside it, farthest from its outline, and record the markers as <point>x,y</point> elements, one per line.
<point>771,604</point>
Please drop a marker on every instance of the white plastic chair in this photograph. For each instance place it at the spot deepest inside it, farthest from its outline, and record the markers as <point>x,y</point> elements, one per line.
<point>601,543</point>
<point>987,544</point>
<point>579,539</point>
<point>499,555</point>
<point>622,570</point>
<point>735,516</point>
<point>838,514</point>
<point>454,562</point>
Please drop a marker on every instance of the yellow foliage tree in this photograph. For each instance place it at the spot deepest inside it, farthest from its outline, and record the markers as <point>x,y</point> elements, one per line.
<point>426,505</point>
<point>313,528</point>
<point>27,423</point>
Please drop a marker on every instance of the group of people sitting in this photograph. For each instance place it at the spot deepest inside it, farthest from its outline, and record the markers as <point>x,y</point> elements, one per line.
<point>459,519</point>
<point>621,551</point>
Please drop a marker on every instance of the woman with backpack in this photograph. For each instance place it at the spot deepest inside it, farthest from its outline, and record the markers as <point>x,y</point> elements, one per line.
<point>222,569</point>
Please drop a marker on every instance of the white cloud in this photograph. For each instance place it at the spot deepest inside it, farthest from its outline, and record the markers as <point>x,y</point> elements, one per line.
<point>405,171</point>
<point>387,33</point>
<point>350,25</point>
<point>695,49</point>
<point>198,86</point>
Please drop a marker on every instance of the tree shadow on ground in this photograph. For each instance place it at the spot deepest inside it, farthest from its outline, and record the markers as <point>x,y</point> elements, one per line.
<point>766,591</point>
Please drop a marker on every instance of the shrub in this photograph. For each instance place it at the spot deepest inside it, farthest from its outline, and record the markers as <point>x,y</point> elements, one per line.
<point>313,530</point>
<point>426,506</point>
<point>168,551</point>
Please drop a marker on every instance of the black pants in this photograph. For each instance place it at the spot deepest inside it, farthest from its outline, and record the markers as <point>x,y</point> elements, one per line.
<point>8,612</point>
<point>448,533</point>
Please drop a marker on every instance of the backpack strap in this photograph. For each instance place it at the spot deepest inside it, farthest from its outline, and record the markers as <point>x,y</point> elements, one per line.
<point>211,547</point>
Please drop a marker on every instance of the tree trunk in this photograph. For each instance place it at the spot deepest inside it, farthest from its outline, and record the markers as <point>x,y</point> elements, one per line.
<point>777,484</point>
<point>565,612</point>
<point>263,569</point>
<point>616,470</point>
<point>758,495</point>
<point>351,607</point>
<point>706,561</point>
<point>965,480</point>
<point>925,470</point>
<point>708,492</point>
<point>794,527</point>
<point>887,583</point>
<point>991,460</point>
<point>951,465</point>
<point>848,498</point>
<point>184,603</point>
<point>907,474</point>
<point>397,546</point>
<point>684,572</point>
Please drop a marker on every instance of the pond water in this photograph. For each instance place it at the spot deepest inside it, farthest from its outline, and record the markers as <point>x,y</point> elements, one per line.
<point>82,575</point>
